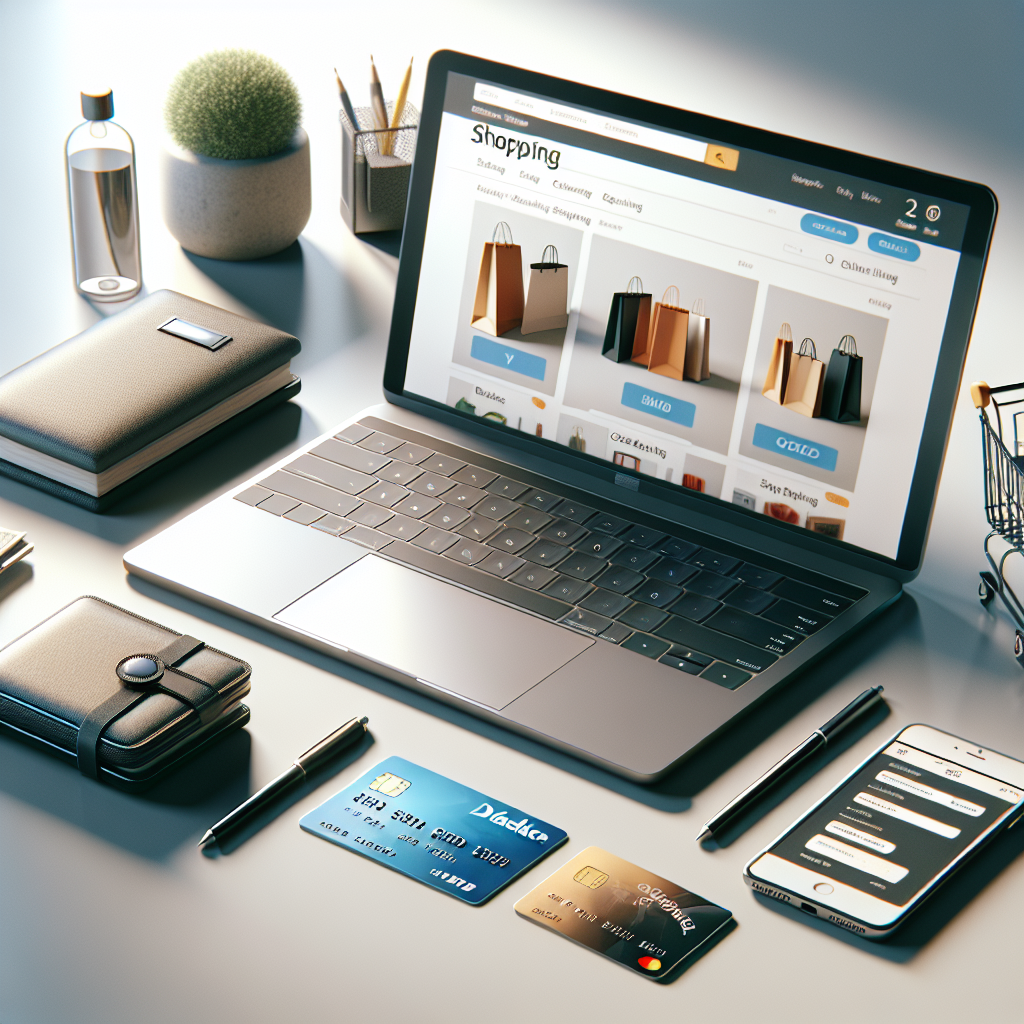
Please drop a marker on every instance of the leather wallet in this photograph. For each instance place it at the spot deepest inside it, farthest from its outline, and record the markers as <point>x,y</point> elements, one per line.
<point>91,418</point>
<point>124,699</point>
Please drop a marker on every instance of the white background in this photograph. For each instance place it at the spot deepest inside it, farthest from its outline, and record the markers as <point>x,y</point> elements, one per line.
<point>108,914</point>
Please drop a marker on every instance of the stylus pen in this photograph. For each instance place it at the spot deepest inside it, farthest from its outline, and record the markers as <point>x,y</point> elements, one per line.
<point>302,766</point>
<point>810,746</point>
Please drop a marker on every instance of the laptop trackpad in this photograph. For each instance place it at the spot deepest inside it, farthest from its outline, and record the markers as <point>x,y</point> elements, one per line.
<point>434,631</point>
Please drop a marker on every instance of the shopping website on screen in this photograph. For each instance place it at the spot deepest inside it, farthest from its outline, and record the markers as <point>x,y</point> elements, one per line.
<point>684,309</point>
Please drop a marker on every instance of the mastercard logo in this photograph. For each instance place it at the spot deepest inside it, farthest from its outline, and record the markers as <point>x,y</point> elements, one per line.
<point>649,963</point>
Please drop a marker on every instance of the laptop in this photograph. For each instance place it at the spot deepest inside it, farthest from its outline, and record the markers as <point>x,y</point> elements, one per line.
<point>667,403</point>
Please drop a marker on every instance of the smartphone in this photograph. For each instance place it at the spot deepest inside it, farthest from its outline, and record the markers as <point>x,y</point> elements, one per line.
<point>892,831</point>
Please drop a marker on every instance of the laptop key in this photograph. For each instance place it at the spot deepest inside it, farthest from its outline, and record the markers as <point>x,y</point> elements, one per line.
<point>496,508</point>
<point>500,564</point>
<point>433,539</point>
<point>511,540</point>
<point>602,523</point>
<point>691,655</point>
<point>754,630</point>
<point>351,481</point>
<point>586,622</point>
<point>399,473</point>
<point>605,602</point>
<point>634,558</point>
<point>477,527</point>
<point>355,432</point>
<point>370,515</point>
<point>568,589</point>
<point>564,531</point>
<point>705,558</point>
<point>446,517</point>
<point>528,519</point>
<point>643,617</point>
<point>305,514</point>
<point>505,488</point>
<point>718,645</point>
<point>443,464</point>
<point>644,537</point>
<point>573,510</point>
<point>725,675</point>
<point>619,578</point>
<point>661,595</point>
<point>682,664</point>
<point>311,492</point>
<point>671,571</point>
<point>676,548</point>
<point>615,633</point>
<point>755,576</point>
<point>334,525</point>
<point>710,584</point>
<point>432,484</point>
<point>278,504</point>
<point>782,612</point>
<point>583,567</point>
<point>417,505</point>
<point>464,496</point>
<point>253,495</point>
<point>545,552</point>
<point>380,443</point>
<point>810,597</point>
<point>534,576</point>
<point>385,494</point>
<point>468,551</point>
<point>649,646</point>
<point>750,599</point>
<point>598,544</point>
<point>543,500</point>
<point>414,454</point>
<point>402,527</point>
<point>349,455</point>
<point>474,476</point>
<point>693,606</point>
<point>368,538</point>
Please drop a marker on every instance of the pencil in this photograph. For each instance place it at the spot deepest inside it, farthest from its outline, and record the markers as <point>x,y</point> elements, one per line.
<point>380,111</point>
<point>403,92</point>
<point>346,103</point>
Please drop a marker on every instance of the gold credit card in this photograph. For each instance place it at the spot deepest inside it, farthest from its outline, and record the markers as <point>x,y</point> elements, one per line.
<point>633,916</point>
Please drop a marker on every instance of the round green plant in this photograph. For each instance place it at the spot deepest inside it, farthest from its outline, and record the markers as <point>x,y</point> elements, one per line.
<point>233,105</point>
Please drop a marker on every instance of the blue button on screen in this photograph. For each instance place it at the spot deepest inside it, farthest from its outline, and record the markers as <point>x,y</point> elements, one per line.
<point>657,404</point>
<point>837,230</point>
<point>888,245</point>
<point>794,447</point>
<point>513,359</point>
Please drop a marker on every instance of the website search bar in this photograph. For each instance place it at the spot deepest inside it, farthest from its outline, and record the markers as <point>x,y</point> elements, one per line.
<point>608,127</point>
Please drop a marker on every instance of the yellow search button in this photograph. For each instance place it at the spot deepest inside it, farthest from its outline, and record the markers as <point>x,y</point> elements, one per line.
<point>719,156</point>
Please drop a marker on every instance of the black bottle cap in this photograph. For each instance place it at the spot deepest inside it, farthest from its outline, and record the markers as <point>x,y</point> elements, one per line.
<point>98,106</point>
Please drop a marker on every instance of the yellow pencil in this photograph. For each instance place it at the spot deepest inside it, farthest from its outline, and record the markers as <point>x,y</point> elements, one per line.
<point>403,92</point>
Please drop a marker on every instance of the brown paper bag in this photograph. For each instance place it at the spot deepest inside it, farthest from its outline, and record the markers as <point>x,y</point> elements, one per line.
<point>666,349</point>
<point>698,343</point>
<point>806,380</point>
<point>498,306</point>
<point>547,295</point>
<point>778,369</point>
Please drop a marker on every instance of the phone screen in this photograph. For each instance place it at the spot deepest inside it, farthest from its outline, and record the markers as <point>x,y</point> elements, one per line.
<point>894,825</point>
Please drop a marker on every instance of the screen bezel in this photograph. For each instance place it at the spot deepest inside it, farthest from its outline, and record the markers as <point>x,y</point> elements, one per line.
<point>952,355</point>
<point>930,741</point>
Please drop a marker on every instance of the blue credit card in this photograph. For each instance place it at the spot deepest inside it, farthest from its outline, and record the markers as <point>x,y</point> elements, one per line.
<point>437,831</point>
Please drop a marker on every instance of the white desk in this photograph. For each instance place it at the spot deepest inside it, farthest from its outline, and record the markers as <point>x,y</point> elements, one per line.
<point>108,913</point>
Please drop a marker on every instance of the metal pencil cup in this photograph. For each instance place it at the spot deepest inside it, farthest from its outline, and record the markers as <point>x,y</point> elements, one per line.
<point>374,185</point>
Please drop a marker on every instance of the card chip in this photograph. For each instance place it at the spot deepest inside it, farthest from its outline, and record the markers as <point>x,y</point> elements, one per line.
<point>390,785</point>
<point>590,877</point>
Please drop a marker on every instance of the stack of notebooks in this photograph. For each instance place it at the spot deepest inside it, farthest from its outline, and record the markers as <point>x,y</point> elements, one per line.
<point>116,406</point>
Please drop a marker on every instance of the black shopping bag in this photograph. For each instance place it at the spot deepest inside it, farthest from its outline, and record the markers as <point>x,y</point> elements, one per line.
<point>628,322</point>
<point>841,398</point>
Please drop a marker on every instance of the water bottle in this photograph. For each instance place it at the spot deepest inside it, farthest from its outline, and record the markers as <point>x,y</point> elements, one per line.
<point>103,203</point>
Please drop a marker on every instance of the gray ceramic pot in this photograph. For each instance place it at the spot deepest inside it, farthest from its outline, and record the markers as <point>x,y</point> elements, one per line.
<point>237,209</point>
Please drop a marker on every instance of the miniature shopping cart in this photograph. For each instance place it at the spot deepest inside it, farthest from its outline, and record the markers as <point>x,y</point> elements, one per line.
<point>1004,494</point>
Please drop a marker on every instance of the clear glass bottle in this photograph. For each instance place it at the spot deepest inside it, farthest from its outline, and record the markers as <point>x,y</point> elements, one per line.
<point>104,204</point>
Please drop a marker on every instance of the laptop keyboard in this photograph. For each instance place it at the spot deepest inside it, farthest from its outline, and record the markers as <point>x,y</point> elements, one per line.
<point>696,609</point>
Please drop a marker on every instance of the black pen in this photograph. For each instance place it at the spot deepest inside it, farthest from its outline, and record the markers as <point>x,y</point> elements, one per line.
<point>305,763</point>
<point>810,746</point>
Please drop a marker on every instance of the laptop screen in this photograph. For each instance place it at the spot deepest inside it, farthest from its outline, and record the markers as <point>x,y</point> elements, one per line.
<point>726,320</point>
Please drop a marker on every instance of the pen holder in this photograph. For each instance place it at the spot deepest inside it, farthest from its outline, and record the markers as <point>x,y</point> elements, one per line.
<point>374,185</point>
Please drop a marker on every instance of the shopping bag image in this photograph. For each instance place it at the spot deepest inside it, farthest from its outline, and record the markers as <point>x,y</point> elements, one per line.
<point>841,396</point>
<point>778,369</point>
<point>498,307</point>
<point>806,379</point>
<point>667,344</point>
<point>698,342</point>
<point>694,483</point>
<point>629,320</point>
<point>577,442</point>
<point>547,295</point>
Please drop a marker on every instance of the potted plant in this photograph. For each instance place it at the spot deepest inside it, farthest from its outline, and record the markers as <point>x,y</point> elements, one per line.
<point>236,168</point>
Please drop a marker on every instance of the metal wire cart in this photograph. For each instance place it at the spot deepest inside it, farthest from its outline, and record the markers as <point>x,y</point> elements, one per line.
<point>1004,496</point>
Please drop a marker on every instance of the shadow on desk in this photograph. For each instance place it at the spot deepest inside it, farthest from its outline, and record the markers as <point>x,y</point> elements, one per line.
<point>674,792</point>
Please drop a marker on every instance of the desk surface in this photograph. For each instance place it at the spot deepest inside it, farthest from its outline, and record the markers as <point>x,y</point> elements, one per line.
<point>110,914</point>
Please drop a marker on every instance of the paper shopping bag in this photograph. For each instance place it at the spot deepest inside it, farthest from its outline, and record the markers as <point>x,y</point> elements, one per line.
<point>841,397</point>
<point>547,295</point>
<point>628,323</point>
<point>577,442</point>
<point>666,348</point>
<point>806,378</point>
<point>698,342</point>
<point>778,369</point>
<point>498,306</point>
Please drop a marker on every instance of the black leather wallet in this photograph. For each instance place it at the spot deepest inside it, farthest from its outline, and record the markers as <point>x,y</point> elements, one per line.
<point>124,699</point>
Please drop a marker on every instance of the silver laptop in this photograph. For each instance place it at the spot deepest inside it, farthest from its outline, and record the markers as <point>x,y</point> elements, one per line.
<point>668,399</point>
